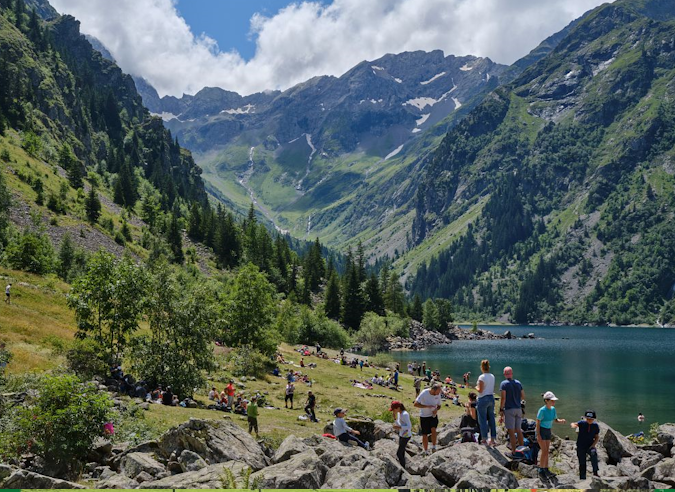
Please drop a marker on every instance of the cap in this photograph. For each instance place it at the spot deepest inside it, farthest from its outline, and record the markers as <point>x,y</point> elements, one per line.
<point>394,404</point>
<point>550,396</point>
<point>590,414</point>
<point>339,410</point>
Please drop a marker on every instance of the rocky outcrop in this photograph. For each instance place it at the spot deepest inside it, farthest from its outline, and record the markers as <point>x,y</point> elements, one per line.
<point>211,477</point>
<point>616,445</point>
<point>663,472</point>
<point>134,463</point>
<point>453,464</point>
<point>302,471</point>
<point>215,441</point>
<point>458,333</point>
<point>420,338</point>
<point>22,479</point>
<point>289,447</point>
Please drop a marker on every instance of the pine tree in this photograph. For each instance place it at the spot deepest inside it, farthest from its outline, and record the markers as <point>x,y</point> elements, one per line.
<point>332,301</point>
<point>175,240</point>
<point>71,165</point>
<point>66,256</point>
<point>361,262</point>
<point>373,296</point>
<point>417,311</point>
<point>92,205</point>
<point>195,222</point>
<point>19,9</point>
<point>352,307</point>
<point>126,188</point>
<point>394,297</point>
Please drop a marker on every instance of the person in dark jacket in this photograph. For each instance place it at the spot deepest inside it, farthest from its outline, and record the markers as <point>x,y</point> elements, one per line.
<point>589,434</point>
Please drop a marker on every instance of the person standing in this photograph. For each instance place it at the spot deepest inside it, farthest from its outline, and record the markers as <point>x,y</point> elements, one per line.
<point>396,379</point>
<point>486,404</point>
<point>8,293</point>
<point>545,418</point>
<point>589,435</point>
<point>310,405</point>
<point>429,403</point>
<point>290,390</point>
<point>424,367</point>
<point>343,432</point>
<point>418,386</point>
<point>510,410</point>
<point>229,389</point>
<point>252,416</point>
<point>403,425</point>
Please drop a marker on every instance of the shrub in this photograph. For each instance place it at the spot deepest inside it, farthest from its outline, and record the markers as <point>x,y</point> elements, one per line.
<point>5,358</point>
<point>31,251</point>
<point>376,329</point>
<point>316,327</point>
<point>60,425</point>
<point>382,359</point>
<point>247,361</point>
<point>85,359</point>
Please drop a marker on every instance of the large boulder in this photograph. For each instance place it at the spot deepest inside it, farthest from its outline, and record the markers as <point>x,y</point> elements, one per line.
<point>302,471</point>
<point>22,479</point>
<point>663,471</point>
<point>354,477</point>
<point>290,446</point>
<point>5,471</point>
<point>616,445</point>
<point>118,453</point>
<point>427,482</point>
<point>665,434</point>
<point>645,459</point>
<point>449,433</point>
<point>452,463</point>
<point>383,430</point>
<point>133,464</point>
<point>215,441</point>
<point>211,477</point>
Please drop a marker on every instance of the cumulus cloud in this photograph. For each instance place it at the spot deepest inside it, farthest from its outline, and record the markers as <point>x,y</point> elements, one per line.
<point>150,39</point>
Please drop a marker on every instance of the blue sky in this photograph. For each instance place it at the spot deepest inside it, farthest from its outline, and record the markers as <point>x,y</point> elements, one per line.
<point>228,21</point>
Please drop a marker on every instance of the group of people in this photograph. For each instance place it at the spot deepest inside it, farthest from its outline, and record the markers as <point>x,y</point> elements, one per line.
<point>391,381</point>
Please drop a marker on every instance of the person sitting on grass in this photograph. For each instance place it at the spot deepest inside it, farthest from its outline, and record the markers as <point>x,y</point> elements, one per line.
<point>343,432</point>
<point>213,394</point>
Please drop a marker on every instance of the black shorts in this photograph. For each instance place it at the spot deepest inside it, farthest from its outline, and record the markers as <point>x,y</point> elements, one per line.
<point>428,423</point>
<point>544,434</point>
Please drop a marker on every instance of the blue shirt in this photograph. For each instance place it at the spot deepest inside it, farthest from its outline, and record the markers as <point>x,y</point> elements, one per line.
<point>546,416</point>
<point>513,390</point>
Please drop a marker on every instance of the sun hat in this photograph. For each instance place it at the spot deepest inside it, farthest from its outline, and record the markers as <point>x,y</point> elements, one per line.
<point>339,410</point>
<point>550,396</point>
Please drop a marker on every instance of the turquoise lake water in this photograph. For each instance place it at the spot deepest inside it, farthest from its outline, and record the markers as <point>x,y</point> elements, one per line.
<point>618,372</point>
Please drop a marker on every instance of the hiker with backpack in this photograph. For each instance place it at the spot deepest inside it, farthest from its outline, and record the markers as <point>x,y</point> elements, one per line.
<point>589,435</point>
<point>510,411</point>
<point>545,418</point>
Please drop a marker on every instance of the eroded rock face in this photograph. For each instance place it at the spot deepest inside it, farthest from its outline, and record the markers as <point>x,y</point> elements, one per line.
<point>616,445</point>
<point>215,441</point>
<point>133,464</point>
<point>117,481</point>
<point>191,461</point>
<point>451,464</point>
<point>302,471</point>
<point>665,434</point>
<point>663,472</point>
<point>22,479</point>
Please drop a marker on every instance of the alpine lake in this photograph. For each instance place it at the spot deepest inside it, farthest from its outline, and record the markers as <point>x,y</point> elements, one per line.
<point>616,371</point>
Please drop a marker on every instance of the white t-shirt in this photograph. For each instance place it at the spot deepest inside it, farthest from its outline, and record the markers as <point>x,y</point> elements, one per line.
<point>488,384</point>
<point>7,289</point>
<point>426,398</point>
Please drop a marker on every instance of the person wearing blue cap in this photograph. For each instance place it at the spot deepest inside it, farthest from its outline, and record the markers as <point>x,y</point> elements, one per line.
<point>589,435</point>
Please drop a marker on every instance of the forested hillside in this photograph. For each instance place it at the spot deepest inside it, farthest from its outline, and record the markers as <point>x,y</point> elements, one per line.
<point>568,173</point>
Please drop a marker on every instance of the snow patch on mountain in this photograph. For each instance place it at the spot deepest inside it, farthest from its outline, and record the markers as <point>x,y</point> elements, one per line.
<point>248,109</point>
<point>166,116</point>
<point>466,67</point>
<point>457,103</point>
<point>435,77</point>
<point>394,152</point>
<point>424,118</point>
<point>420,102</point>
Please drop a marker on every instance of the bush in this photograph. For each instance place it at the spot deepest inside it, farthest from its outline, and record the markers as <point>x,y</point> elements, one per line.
<point>316,327</point>
<point>31,251</point>
<point>5,358</point>
<point>247,361</point>
<point>376,329</point>
<point>84,359</point>
<point>382,359</point>
<point>60,425</point>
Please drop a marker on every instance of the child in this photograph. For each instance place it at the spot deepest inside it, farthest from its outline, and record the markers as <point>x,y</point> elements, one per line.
<point>343,432</point>
<point>589,434</point>
<point>403,426</point>
<point>545,418</point>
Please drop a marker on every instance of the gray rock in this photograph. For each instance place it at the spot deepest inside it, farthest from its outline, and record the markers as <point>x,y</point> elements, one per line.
<point>449,433</point>
<point>302,471</point>
<point>427,482</point>
<point>620,483</point>
<point>191,461</point>
<point>210,477</point>
<point>616,445</point>
<point>663,471</point>
<point>627,468</point>
<point>661,448</point>
<point>529,471</point>
<point>148,447</point>
<point>645,459</point>
<point>452,463</point>
<point>104,472</point>
<point>665,434</point>
<point>495,477</point>
<point>215,441</point>
<point>144,477</point>
<point>117,481</point>
<point>134,463</point>
<point>144,406</point>
<point>22,479</point>
<point>355,478</point>
<point>290,446</point>
<point>383,430</point>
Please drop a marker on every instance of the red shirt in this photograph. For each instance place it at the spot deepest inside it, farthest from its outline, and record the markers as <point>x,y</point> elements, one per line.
<point>230,390</point>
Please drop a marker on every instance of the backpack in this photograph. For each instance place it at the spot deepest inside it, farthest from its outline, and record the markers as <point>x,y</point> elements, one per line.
<point>527,453</point>
<point>468,434</point>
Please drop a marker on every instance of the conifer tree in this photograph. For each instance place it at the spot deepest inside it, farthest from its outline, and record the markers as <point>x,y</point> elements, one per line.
<point>71,165</point>
<point>352,307</point>
<point>175,240</point>
<point>416,310</point>
<point>373,296</point>
<point>195,222</point>
<point>361,262</point>
<point>92,205</point>
<point>66,256</point>
<point>332,301</point>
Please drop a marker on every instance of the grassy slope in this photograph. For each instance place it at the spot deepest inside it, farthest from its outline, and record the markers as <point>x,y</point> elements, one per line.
<point>331,385</point>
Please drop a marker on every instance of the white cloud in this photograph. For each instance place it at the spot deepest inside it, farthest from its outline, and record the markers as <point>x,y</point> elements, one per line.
<point>149,38</point>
